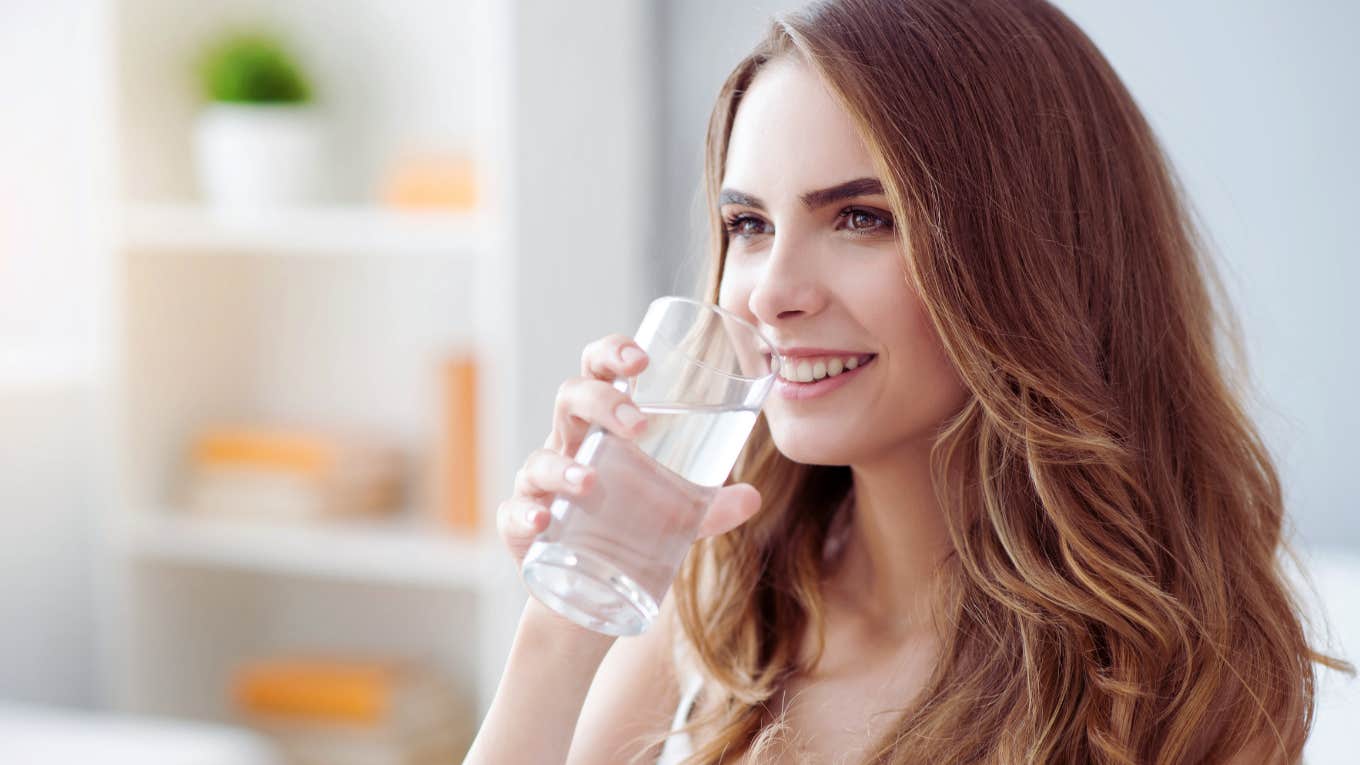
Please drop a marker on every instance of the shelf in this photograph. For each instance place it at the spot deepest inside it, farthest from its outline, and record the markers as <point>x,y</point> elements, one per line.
<point>372,551</point>
<point>187,228</point>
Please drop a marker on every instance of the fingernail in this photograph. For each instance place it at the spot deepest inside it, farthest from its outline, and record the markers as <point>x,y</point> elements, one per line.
<point>628,415</point>
<point>531,516</point>
<point>576,474</point>
<point>630,354</point>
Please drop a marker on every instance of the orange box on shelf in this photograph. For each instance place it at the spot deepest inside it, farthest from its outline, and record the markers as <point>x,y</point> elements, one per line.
<point>281,473</point>
<point>431,181</point>
<point>354,711</point>
<point>316,689</point>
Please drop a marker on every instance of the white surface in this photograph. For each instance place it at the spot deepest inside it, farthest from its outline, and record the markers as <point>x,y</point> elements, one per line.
<point>46,623</point>
<point>35,735</point>
<point>53,168</point>
<point>52,165</point>
<point>368,551</point>
<point>1336,576</point>
<point>191,229</point>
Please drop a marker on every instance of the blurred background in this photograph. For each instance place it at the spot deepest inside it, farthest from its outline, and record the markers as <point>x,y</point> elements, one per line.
<point>287,288</point>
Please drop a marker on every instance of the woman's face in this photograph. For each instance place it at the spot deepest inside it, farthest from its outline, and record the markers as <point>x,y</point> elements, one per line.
<point>815,268</point>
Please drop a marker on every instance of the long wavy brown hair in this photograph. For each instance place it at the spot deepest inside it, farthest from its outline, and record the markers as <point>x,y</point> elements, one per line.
<point>1114,593</point>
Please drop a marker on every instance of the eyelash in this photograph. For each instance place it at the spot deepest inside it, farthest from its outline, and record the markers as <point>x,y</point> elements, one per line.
<point>734,222</point>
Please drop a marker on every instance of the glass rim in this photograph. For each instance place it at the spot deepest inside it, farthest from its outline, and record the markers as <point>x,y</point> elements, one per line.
<point>775,361</point>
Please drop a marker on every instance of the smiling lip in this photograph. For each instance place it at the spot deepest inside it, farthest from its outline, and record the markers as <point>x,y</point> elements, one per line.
<point>800,351</point>
<point>799,391</point>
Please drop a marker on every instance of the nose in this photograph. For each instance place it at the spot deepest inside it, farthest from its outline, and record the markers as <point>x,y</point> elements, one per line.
<point>788,286</point>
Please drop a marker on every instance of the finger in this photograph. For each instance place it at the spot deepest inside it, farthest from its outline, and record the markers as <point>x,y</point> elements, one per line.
<point>732,506</point>
<point>547,472</point>
<point>612,357</point>
<point>519,521</point>
<point>582,401</point>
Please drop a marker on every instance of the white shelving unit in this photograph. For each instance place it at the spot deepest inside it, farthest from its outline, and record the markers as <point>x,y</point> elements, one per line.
<point>341,313</point>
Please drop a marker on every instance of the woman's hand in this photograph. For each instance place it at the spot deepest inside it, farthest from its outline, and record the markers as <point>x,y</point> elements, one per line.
<point>592,398</point>
<point>553,661</point>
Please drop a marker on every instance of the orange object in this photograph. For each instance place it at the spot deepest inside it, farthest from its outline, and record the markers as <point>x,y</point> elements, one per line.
<point>281,472</point>
<point>458,495</point>
<point>432,181</point>
<point>318,689</point>
<point>266,450</point>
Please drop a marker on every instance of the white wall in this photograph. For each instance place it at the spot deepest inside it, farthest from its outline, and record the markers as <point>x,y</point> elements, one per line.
<point>51,166</point>
<point>46,606</point>
<point>699,41</point>
<point>1256,103</point>
<point>584,155</point>
<point>1258,106</point>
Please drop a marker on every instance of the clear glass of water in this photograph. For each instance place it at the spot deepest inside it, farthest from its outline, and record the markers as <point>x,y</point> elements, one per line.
<point>607,558</point>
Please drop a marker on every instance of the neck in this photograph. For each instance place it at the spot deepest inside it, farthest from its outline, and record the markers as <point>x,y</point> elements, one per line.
<point>897,540</point>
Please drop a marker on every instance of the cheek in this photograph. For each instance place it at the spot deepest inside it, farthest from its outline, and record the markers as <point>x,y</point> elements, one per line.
<point>928,386</point>
<point>914,392</point>
<point>734,294</point>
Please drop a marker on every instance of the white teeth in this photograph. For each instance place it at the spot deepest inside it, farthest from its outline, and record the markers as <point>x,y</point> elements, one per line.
<point>809,370</point>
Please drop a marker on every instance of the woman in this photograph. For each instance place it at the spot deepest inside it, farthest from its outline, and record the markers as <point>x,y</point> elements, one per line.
<point>1034,526</point>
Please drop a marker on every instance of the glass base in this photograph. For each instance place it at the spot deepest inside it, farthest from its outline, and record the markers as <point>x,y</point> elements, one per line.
<point>587,590</point>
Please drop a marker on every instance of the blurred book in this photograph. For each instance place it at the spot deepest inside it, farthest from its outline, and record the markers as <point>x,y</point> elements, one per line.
<point>328,711</point>
<point>287,474</point>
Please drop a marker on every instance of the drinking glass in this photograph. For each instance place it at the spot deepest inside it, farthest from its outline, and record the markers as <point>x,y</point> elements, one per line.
<point>608,556</point>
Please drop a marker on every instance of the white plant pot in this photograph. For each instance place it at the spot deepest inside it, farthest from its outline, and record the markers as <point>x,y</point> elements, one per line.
<point>257,157</point>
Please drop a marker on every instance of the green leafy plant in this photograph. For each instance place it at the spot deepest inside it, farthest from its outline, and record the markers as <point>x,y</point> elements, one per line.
<point>252,67</point>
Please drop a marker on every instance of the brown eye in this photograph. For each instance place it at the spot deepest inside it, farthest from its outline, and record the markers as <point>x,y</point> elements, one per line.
<point>861,221</point>
<point>743,225</point>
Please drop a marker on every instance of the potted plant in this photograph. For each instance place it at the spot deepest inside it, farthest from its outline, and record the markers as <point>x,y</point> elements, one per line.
<point>259,141</point>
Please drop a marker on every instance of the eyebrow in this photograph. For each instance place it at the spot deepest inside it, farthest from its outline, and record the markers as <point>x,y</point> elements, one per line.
<point>860,187</point>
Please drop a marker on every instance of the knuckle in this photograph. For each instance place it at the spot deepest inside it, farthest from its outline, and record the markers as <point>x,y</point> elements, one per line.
<point>561,405</point>
<point>592,394</point>
<point>597,347</point>
<point>563,388</point>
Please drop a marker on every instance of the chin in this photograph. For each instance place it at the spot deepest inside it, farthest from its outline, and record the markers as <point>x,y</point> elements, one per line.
<point>813,445</point>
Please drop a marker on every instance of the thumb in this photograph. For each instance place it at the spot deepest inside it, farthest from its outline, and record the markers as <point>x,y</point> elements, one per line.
<point>732,506</point>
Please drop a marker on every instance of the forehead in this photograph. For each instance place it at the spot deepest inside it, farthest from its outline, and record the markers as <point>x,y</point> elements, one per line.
<point>790,135</point>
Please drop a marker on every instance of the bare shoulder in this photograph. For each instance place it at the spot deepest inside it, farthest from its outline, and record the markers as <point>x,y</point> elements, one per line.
<point>633,696</point>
